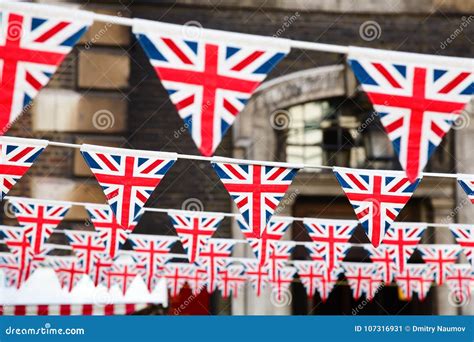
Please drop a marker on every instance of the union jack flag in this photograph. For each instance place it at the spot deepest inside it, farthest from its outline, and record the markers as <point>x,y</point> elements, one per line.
<point>208,78</point>
<point>315,255</point>
<point>376,196</point>
<point>359,276</point>
<point>176,275</point>
<point>127,177</point>
<point>464,235</point>
<point>231,280</point>
<point>309,273</point>
<point>402,239</point>
<point>279,254</point>
<point>20,247</point>
<point>384,260</point>
<point>14,272</point>
<point>68,269</point>
<point>264,245</point>
<point>415,278</point>
<point>87,246</point>
<point>34,41</point>
<point>460,280</point>
<point>256,190</point>
<point>194,230</point>
<point>325,281</point>
<point>438,258</point>
<point>39,218</point>
<point>257,274</point>
<point>16,157</point>
<point>213,258</point>
<point>122,275</point>
<point>102,263</point>
<point>417,97</point>
<point>467,184</point>
<point>330,238</point>
<point>376,283</point>
<point>281,284</point>
<point>199,279</point>
<point>112,234</point>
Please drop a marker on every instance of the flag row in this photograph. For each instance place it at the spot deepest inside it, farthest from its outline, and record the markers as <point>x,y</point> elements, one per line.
<point>211,77</point>
<point>128,178</point>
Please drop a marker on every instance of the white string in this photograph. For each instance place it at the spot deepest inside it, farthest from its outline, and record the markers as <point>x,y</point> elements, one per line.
<point>191,212</point>
<point>262,162</point>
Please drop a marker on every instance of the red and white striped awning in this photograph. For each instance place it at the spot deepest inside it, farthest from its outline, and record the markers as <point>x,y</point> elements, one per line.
<point>70,309</point>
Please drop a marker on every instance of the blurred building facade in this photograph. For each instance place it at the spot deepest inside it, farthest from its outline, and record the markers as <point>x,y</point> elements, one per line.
<point>309,110</point>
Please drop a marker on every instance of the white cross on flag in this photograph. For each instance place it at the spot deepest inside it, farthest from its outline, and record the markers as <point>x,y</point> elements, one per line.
<point>418,98</point>
<point>87,246</point>
<point>231,280</point>
<point>257,274</point>
<point>359,276</point>
<point>194,230</point>
<point>68,269</point>
<point>176,275</point>
<point>438,258</point>
<point>415,278</point>
<point>281,283</point>
<point>384,260</point>
<point>122,275</point>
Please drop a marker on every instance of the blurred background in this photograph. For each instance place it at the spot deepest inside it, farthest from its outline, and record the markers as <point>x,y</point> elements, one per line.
<point>309,110</point>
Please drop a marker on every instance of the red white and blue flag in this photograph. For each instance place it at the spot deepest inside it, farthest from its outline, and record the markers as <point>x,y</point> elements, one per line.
<point>464,235</point>
<point>21,254</point>
<point>460,282</point>
<point>402,238</point>
<point>266,244</point>
<point>122,275</point>
<point>211,77</point>
<point>359,276</point>
<point>467,184</point>
<point>418,98</point>
<point>112,234</point>
<point>281,283</point>
<point>199,279</point>
<point>100,266</point>
<point>151,252</point>
<point>194,230</point>
<point>256,189</point>
<point>16,157</point>
<point>330,238</point>
<point>438,259</point>
<point>68,269</point>
<point>34,41</point>
<point>213,258</point>
<point>127,177</point>
<point>39,218</point>
<point>231,280</point>
<point>309,273</point>
<point>176,275</point>
<point>376,196</point>
<point>87,246</point>
<point>384,260</point>
<point>257,274</point>
<point>326,280</point>
<point>415,278</point>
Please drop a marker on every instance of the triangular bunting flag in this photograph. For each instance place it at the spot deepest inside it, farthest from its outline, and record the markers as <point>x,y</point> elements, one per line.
<point>359,277</point>
<point>384,260</point>
<point>209,78</point>
<point>113,235</point>
<point>16,157</point>
<point>194,230</point>
<point>68,269</point>
<point>308,272</point>
<point>464,235</point>
<point>176,275</point>
<point>418,98</point>
<point>151,252</point>
<point>330,238</point>
<point>231,280</point>
<point>39,218</point>
<point>121,275</point>
<point>13,272</point>
<point>314,251</point>
<point>281,283</point>
<point>376,196</point>
<point>402,238</point>
<point>415,278</point>
<point>102,263</point>
<point>213,258</point>
<point>128,177</point>
<point>257,274</point>
<point>264,245</point>
<point>376,283</point>
<point>460,280</point>
<point>198,279</point>
<point>467,183</point>
<point>22,254</point>
<point>325,282</point>
<point>438,258</point>
<point>35,40</point>
<point>87,246</point>
<point>256,189</point>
